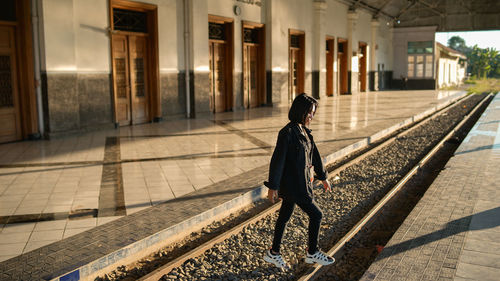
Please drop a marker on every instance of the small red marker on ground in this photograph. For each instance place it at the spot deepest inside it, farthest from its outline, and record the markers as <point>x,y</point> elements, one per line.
<point>379,248</point>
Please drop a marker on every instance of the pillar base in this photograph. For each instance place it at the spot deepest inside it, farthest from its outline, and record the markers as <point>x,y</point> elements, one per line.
<point>34,136</point>
<point>315,84</point>
<point>349,83</point>
<point>373,80</point>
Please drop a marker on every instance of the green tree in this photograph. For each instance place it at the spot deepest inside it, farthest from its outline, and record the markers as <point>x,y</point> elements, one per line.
<point>495,64</point>
<point>484,62</point>
<point>458,43</point>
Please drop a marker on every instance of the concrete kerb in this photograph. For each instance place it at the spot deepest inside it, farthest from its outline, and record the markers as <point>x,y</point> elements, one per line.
<point>155,242</point>
<point>161,239</point>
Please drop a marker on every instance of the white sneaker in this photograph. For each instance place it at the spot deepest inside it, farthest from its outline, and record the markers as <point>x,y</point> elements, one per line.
<point>319,257</point>
<point>277,260</point>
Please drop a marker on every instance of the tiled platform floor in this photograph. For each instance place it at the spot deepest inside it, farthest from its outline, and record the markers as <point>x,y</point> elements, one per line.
<point>106,175</point>
<point>454,231</point>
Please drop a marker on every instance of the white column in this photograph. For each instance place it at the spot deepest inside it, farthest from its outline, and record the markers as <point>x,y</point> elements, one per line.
<point>352,84</point>
<point>318,49</point>
<point>199,56</point>
<point>373,57</point>
<point>271,97</point>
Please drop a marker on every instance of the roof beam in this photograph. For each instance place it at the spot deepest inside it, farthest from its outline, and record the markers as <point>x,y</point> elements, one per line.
<point>355,4</point>
<point>359,3</point>
<point>381,8</point>
<point>431,7</point>
<point>406,9</point>
<point>462,4</point>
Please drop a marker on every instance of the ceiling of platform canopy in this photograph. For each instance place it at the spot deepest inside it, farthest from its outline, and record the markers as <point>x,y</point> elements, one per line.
<point>447,15</point>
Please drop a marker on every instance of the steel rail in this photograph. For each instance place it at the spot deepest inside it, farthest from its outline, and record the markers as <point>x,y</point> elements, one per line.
<point>159,272</point>
<point>333,176</point>
<point>346,238</point>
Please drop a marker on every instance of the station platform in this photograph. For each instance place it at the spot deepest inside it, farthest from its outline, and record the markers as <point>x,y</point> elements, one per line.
<point>453,233</point>
<point>73,207</point>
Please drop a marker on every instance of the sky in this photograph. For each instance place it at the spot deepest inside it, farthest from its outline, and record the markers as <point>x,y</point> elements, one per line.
<point>483,39</point>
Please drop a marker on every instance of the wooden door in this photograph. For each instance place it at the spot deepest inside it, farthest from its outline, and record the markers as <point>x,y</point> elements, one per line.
<point>329,67</point>
<point>251,76</point>
<point>138,75</point>
<point>130,79</point>
<point>294,73</point>
<point>362,67</point>
<point>217,76</point>
<point>296,63</point>
<point>211,75</point>
<point>340,80</point>
<point>121,79</point>
<point>10,124</point>
<point>342,66</point>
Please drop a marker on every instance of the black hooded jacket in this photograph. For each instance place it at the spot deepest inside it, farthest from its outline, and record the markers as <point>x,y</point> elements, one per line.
<point>290,167</point>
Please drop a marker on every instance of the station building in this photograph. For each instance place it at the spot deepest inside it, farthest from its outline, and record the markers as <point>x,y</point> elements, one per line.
<point>69,66</point>
<point>425,63</point>
<point>452,66</point>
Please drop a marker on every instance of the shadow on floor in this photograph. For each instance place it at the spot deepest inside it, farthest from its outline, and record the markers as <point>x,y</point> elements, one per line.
<point>483,220</point>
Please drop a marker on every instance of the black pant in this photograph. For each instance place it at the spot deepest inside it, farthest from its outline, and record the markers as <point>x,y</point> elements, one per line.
<point>315,216</point>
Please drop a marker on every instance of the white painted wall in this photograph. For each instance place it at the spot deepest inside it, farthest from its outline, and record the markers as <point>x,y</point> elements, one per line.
<point>362,32</point>
<point>59,36</point>
<point>400,45</point>
<point>199,23</point>
<point>362,29</point>
<point>336,19</point>
<point>77,40</point>
<point>170,35</point>
<point>453,72</point>
<point>76,37</point>
<point>461,74</point>
<point>92,46</point>
<point>450,72</point>
<point>225,8</point>
<point>384,51</point>
<point>441,74</point>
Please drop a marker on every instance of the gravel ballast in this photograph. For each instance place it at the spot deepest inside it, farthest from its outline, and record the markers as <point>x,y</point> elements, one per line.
<point>361,186</point>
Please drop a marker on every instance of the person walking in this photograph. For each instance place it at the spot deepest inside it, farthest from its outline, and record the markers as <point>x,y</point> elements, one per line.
<point>295,159</point>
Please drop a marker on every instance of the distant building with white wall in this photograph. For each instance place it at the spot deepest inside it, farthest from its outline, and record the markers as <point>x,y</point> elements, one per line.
<point>423,62</point>
<point>451,65</point>
<point>414,52</point>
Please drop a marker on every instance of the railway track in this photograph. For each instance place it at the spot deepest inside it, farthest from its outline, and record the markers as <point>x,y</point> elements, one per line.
<point>362,186</point>
<point>315,272</point>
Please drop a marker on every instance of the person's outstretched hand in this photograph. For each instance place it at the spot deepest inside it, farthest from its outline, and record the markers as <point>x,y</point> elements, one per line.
<point>272,195</point>
<point>326,186</point>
